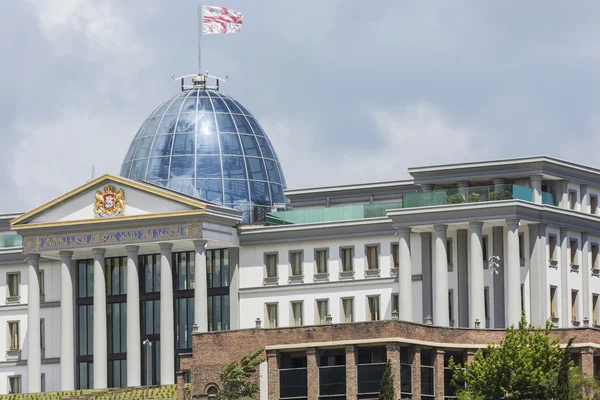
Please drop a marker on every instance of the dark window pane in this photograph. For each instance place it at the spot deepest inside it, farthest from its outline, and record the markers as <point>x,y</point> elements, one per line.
<point>277,193</point>
<point>272,171</point>
<point>332,380</point>
<point>293,383</point>
<point>405,378</point>
<point>205,122</point>
<point>158,168</point>
<point>427,384</point>
<point>207,143</point>
<point>208,167</point>
<point>260,192</point>
<point>230,144</point>
<point>232,107</point>
<point>167,125</point>
<point>210,189</point>
<point>265,147</point>
<point>225,123</point>
<point>369,377</point>
<point>250,145</point>
<point>182,167</point>
<point>186,123</point>
<point>185,143</point>
<point>225,268</point>
<point>256,169</point>
<point>218,104</point>
<point>242,124</point>
<point>235,192</point>
<point>234,167</point>
<point>162,145</point>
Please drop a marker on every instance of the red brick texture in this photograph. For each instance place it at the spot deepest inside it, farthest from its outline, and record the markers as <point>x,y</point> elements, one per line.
<point>438,364</point>
<point>416,372</point>
<point>312,370</point>
<point>393,355</point>
<point>213,351</point>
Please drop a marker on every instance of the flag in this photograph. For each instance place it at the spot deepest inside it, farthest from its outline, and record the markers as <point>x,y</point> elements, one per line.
<point>220,20</point>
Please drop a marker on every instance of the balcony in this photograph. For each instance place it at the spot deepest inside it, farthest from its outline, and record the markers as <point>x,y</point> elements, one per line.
<point>10,241</point>
<point>329,214</point>
<point>472,195</point>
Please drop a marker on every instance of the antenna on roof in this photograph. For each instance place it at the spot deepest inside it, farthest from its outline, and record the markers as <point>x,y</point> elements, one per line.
<point>93,173</point>
<point>200,81</point>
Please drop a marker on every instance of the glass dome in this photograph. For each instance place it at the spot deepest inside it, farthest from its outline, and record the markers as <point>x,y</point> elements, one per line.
<point>206,144</point>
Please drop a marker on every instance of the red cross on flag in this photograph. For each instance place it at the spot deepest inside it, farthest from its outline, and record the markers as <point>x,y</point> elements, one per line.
<point>220,20</point>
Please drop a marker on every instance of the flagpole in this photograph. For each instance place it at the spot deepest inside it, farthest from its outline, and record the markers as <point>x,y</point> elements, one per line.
<point>200,19</point>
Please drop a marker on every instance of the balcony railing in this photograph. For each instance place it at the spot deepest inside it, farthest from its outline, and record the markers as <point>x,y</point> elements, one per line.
<point>10,241</point>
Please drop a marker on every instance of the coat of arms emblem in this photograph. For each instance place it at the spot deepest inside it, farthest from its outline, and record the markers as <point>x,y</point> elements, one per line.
<point>109,203</point>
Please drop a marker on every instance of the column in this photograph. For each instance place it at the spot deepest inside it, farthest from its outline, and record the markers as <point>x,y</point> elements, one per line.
<point>351,382</point>
<point>536,185</point>
<point>463,188</point>
<point>565,267</point>
<point>438,364</point>
<point>404,276</point>
<point>416,372</point>
<point>273,365</point>
<point>513,274</point>
<point>200,287</point>
<point>34,351</point>
<point>67,322</point>
<point>586,274</point>
<point>440,311</point>
<point>584,198</point>
<point>100,340</point>
<point>167,328</point>
<point>234,288</point>
<point>312,374</point>
<point>470,355</point>
<point>476,281</point>
<point>180,385</point>
<point>393,355</point>
<point>538,268</point>
<point>134,340</point>
<point>563,194</point>
<point>587,367</point>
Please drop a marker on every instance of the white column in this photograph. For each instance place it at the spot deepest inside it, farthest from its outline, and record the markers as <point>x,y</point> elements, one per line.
<point>565,268</point>
<point>405,305</point>
<point>536,185</point>
<point>100,341</point>
<point>200,288</point>
<point>67,322</point>
<point>585,199</point>
<point>513,274</point>
<point>476,281</point>
<point>167,328</point>
<point>440,310</point>
<point>134,341</point>
<point>34,351</point>
<point>585,276</point>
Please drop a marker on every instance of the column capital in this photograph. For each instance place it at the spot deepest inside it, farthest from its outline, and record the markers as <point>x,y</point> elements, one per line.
<point>271,353</point>
<point>165,246</point>
<point>132,248</point>
<point>65,253</point>
<point>476,224</point>
<point>350,348</point>
<point>201,243</point>
<point>536,177</point>
<point>392,347</point>
<point>311,351</point>
<point>439,351</point>
<point>98,251</point>
<point>512,222</point>
<point>440,228</point>
<point>32,257</point>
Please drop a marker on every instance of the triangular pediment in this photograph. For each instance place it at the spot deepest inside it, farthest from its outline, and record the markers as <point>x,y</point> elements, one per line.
<point>109,198</point>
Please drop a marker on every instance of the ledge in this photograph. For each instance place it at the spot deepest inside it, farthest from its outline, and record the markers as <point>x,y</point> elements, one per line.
<point>372,273</point>
<point>575,268</point>
<point>322,277</point>
<point>553,264</point>
<point>13,300</point>
<point>271,281</point>
<point>295,279</point>
<point>394,272</point>
<point>346,275</point>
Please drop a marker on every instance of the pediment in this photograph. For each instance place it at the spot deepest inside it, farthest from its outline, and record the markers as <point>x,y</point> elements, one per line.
<point>109,198</point>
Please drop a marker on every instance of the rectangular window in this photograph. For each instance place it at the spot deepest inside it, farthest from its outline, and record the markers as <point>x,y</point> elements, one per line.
<point>373,308</point>
<point>484,247</point>
<point>296,262</point>
<point>522,297</point>
<point>522,246</point>
<point>486,305</point>
<point>396,255</point>
<point>594,204</point>
<point>43,335</point>
<point>184,265</point>
<point>346,256</point>
<point>348,309</point>
<point>451,306</point>
<point>595,309</point>
<point>572,199</point>
<point>574,315</point>
<point>552,245</point>
<point>272,315</point>
<point>13,284</point>
<point>43,389</point>
<point>217,268</point>
<point>373,257</point>
<point>271,265</point>
<point>595,255</point>
<point>449,251</point>
<point>553,301</point>
<point>321,260</point>
<point>13,336</point>
<point>14,384</point>
<point>297,316</point>
<point>218,312</point>
<point>42,286</point>
<point>322,311</point>
<point>395,303</point>
<point>573,248</point>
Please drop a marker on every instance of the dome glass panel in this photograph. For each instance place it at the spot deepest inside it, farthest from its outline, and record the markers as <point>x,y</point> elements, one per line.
<point>205,144</point>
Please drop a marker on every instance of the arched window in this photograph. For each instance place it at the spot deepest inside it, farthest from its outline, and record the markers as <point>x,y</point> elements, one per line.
<point>212,392</point>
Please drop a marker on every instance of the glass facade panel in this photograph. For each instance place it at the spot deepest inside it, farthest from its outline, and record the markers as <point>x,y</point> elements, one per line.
<point>208,143</point>
<point>234,167</point>
<point>427,381</point>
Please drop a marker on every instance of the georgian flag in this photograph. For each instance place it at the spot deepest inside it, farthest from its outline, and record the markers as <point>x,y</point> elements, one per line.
<point>220,20</point>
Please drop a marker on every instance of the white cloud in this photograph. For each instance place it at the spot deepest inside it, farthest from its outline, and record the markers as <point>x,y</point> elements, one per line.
<point>415,135</point>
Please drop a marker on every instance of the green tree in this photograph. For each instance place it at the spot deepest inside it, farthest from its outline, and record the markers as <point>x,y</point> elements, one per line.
<point>527,364</point>
<point>386,391</point>
<point>237,380</point>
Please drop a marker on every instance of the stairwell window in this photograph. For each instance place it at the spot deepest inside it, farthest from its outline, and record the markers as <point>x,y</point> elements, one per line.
<point>271,265</point>
<point>272,315</point>
<point>13,336</point>
<point>373,302</point>
<point>346,254</point>
<point>348,309</point>
<point>296,263</point>
<point>321,260</point>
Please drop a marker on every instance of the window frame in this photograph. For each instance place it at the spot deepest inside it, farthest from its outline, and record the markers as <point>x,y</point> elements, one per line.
<point>326,261</point>
<point>321,319</point>
<point>299,303</point>
<point>552,246</point>
<point>300,265</point>
<point>485,248</point>
<point>395,253</point>
<point>449,253</point>
<point>573,199</point>
<point>595,252</point>
<point>377,299</point>
<point>595,303</point>
<point>18,285</point>
<point>12,348</point>
<point>395,302</point>
<point>574,305</point>
<point>451,306</point>
<point>267,256</point>
<point>553,292</point>
<point>593,204</point>
<point>351,250</point>
<point>19,381</point>
<point>368,249</point>
<point>573,251</point>
<point>268,307</point>
<point>43,336</point>
<point>41,276</point>
<point>344,300</point>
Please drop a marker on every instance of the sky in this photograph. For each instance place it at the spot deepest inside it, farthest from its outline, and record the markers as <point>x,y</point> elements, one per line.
<point>347,91</point>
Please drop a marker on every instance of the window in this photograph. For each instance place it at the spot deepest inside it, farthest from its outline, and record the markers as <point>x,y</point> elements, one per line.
<point>346,256</point>
<point>449,251</point>
<point>271,265</point>
<point>373,257</point>
<point>13,284</point>
<point>395,303</point>
<point>572,199</point>
<point>296,262</point>
<point>212,392</point>
<point>272,315</point>
<point>484,247</point>
<point>321,259</point>
<point>14,384</point>
<point>43,335</point>
<point>42,287</point>
<point>553,301</point>
<point>297,317</point>
<point>322,311</point>
<point>293,376</point>
<point>595,309</point>
<point>43,389</point>
<point>486,305</point>
<point>595,256</point>
<point>522,246</point>
<point>395,255</point>
<point>522,297</point>
<point>573,248</point>
<point>373,308</point>
<point>574,294</point>
<point>552,244</point>
<point>348,309</point>
<point>13,336</point>
<point>451,306</point>
<point>594,204</point>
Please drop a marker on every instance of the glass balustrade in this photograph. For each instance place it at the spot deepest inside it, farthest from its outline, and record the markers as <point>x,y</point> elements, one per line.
<point>10,241</point>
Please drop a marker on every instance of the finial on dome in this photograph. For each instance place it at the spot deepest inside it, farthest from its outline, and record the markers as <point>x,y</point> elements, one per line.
<point>200,81</point>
